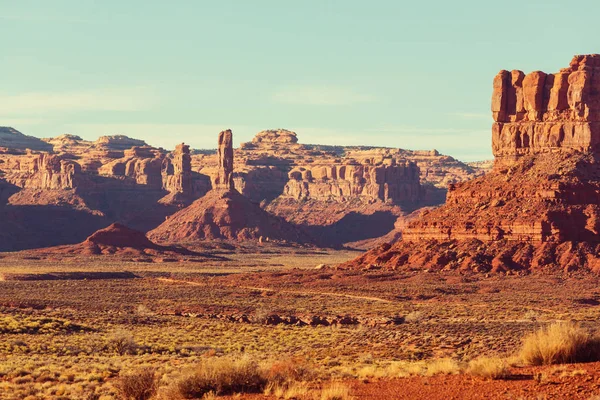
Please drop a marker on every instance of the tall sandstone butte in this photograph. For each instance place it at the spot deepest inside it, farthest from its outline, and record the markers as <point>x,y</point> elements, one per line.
<point>224,179</point>
<point>539,208</point>
<point>539,112</point>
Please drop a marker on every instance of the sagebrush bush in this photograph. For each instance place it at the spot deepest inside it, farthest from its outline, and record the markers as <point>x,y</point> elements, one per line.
<point>121,343</point>
<point>139,385</point>
<point>560,343</point>
<point>222,376</point>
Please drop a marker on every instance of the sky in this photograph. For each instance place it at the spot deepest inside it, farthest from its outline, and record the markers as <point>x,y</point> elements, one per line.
<point>414,75</point>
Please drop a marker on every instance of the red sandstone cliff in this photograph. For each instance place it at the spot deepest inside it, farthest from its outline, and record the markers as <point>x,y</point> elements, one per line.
<point>539,207</point>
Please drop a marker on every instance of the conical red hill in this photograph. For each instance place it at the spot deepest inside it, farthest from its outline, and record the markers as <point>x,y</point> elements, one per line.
<point>115,239</point>
<point>118,235</point>
<point>225,215</point>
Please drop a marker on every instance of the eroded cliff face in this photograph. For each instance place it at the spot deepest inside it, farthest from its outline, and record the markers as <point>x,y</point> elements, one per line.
<point>394,183</point>
<point>43,171</point>
<point>539,208</point>
<point>540,112</point>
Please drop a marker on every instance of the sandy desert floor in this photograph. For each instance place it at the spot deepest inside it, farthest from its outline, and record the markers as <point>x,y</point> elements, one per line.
<point>70,327</point>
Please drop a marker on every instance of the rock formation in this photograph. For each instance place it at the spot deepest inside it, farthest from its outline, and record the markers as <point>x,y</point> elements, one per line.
<point>118,142</point>
<point>89,184</point>
<point>539,207</point>
<point>394,183</point>
<point>223,213</point>
<point>43,171</point>
<point>177,170</point>
<point>142,164</point>
<point>224,178</point>
<point>539,112</point>
<point>272,139</point>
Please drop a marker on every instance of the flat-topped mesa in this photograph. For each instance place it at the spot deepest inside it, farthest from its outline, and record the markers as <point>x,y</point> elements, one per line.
<point>271,139</point>
<point>118,142</point>
<point>539,112</point>
<point>224,178</point>
<point>177,170</point>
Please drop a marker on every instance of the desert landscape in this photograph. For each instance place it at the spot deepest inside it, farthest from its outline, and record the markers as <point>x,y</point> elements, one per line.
<point>294,263</point>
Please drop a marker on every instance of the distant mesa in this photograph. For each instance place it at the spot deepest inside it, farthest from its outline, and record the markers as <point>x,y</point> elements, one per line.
<point>13,139</point>
<point>271,138</point>
<point>539,208</point>
<point>119,142</point>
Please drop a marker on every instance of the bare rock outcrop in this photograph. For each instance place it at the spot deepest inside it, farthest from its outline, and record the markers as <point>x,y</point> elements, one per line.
<point>142,164</point>
<point>539,208</point>
<point>43,171</point>
<point>224,178</point>
<point>272,139</point>
<point>394,183</point>
<point>118,142</point>
<point>540,113</point>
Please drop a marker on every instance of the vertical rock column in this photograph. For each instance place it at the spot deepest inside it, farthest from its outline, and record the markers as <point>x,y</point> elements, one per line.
<point>177,171</point>
<point>224,179</point>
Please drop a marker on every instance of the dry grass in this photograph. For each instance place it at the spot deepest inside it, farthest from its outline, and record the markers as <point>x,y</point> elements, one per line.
<point>488,368</point>
<point>560,343</point>
<point>139,385</point>
<point>335,391</point>
<point>222,376</point>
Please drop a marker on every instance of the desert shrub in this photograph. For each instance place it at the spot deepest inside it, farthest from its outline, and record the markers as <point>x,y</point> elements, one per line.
<point>223,376</point>
<point>35,325</point>
<point>121,343</point>
<point>488,367</point>
<point>335,391</point>
<point>560,343</point>
<point>287,371</point>
<point>443,366</point>
<point>140,385</point>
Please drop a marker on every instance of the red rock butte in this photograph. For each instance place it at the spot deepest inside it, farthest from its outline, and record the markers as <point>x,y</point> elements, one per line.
<point>539,206</point>
<point>541,112</point>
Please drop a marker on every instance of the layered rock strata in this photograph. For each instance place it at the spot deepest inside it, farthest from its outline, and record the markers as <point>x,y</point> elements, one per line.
<point>540,112</point>
<point>539,208</point>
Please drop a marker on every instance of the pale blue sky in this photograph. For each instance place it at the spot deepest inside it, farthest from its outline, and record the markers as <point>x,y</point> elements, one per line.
<point>415,75</point>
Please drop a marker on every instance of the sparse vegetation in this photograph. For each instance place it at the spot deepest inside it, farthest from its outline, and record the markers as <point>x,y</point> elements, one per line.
<point>335,391</point>
<point>559,343</point>
<point>142,384</point>
<point>80,339</point>
<point>222,376</point>
<point>121,343</point>
<point>488,368</point>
